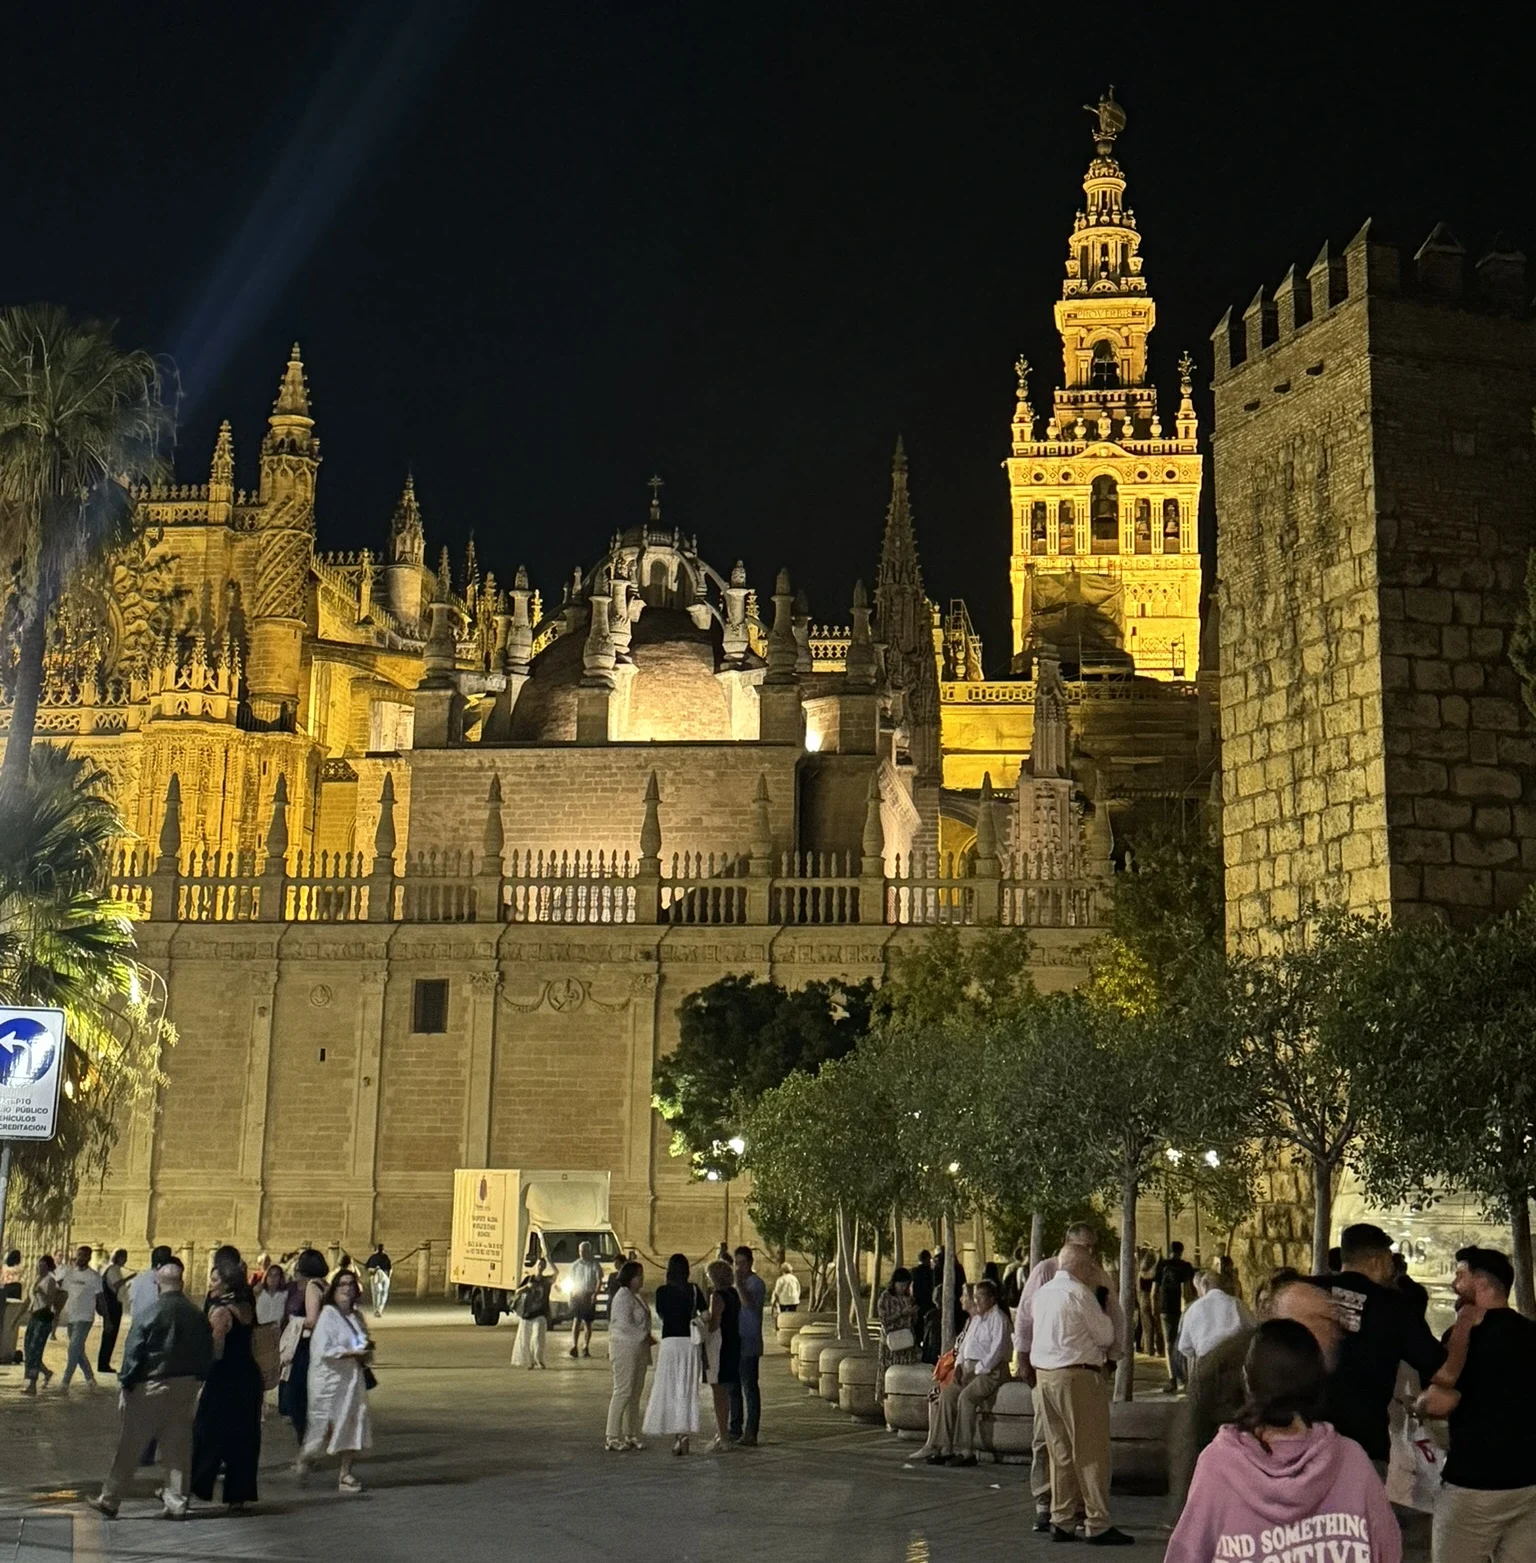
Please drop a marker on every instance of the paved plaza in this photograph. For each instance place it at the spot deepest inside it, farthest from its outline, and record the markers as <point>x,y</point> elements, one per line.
<point>473,1460</point>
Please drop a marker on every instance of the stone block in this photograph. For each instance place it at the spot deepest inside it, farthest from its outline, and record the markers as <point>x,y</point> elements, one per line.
<point>1407,883</point>
<point>1467,677</point>
<point>1493,820</point>
<point>1491,715</point>
<point>1428,604</point>
<point>1517,751</point>
<point>1459,886</point>
<point>1416,776</point>
<point>1487,645</point>
<point>1413,710</point>
<point>1484,852</point>
<point>1429,673</point>
<point>1511,885</point>
<point>1467,607</point>
<point>1485,781</point>
<point>1421,846</point>
<point>1396,672</point>
<point>1448,743</point>
<point>1454,710</point>
<point>1415,640</point>
<point>1483,748</point>
<point>1455,642</point>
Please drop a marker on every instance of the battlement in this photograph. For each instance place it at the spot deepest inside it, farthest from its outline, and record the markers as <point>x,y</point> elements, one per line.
<point>1435,274</point>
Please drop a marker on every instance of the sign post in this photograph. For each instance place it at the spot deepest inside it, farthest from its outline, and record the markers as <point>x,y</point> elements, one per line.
<point>31,1075</point>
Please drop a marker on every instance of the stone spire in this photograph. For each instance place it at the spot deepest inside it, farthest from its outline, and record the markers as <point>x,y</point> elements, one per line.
<point>859,666</point>
<point>221,478</point>
<point>781,637</point>
<point>1186,425</point>
<point>407,538</point>
<point>293,393</point>
<point>1049,744</point>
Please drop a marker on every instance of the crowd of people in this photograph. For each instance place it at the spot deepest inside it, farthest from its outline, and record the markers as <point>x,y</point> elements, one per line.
<point>1283,1440</point>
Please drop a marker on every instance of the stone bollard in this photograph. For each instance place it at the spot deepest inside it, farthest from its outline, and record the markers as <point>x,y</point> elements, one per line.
<point>188,1254</point>
<point>857,1378</point>
<point>906,1397</point>
<point>831,1359</point>
<point>807,1350</point>
<point>424,1269</point>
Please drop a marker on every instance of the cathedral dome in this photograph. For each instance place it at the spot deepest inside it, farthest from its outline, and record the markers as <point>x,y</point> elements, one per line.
<point>667,693</point>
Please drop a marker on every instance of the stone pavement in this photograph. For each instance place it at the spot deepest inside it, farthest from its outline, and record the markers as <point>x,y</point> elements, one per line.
<point>473,1460</point>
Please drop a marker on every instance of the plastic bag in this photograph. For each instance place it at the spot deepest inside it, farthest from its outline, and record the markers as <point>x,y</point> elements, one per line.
<point>1415,1467</point>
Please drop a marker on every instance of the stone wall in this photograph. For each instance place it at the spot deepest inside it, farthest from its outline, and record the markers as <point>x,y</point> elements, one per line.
<point>301,1105</point>
<point>1376,499</point>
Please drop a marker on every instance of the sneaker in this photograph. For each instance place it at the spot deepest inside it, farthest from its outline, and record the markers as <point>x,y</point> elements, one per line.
<point>585,1351</point>
<point>748,1441</point>
<point>103,1506</point>
<point>572,1352</point>
<point>1111,1538</point>
<point>633,1443</point>
<point>1058,1534</point>
<point>1042,1521</point>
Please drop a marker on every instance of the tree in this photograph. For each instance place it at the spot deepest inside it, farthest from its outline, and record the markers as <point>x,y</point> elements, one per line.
<point>739,1038</point>
<point>1292,1017</point>
<point>65,943</point>
<point>80,423</point>
<point>1444,1056</point>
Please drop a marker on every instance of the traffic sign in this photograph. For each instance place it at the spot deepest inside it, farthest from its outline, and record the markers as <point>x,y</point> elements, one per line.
<point>31,1072</point>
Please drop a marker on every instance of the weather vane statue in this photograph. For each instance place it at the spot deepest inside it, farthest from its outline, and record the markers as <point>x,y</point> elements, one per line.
<point>1111,119</point>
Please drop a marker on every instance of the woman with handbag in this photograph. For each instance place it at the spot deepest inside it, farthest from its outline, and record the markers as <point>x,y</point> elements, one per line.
<point>899,1320</point>
<point>43,1309</point>
<point>673,1409</point>
<point>339,1380</point>
<point>629,1355</point>
<point>722,1352</point>
<point>305,1299</point>
<point>530,1302</point>
<point>227,1430</point>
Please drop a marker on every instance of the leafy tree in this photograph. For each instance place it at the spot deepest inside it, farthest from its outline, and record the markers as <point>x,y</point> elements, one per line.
<point>739,1038</point>
<point>65,943</point>
<point>1445,1057</point>
<point>80,421</point>
<point>1292,1020</point>
<point>945,978</point>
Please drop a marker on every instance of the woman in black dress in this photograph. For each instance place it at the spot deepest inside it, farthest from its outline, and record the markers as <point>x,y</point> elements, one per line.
<point>227,1431</point>
<point>305,1299</point>
<point>723,1349</point>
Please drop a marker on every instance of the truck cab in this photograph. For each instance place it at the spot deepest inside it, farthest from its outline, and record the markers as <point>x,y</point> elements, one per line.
<point>560,1250</point>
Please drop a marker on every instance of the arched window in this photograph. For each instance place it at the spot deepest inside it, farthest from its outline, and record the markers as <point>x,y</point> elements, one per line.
<point>1104,372</point>
<point>1143,526</point>
<point>1038,540</point>
<point>1172,539</point>
<point>1105,513</point>
<point>1066,528</point>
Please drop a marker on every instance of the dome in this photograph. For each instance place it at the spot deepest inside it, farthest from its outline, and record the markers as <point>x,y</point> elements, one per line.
<point>668,693</point>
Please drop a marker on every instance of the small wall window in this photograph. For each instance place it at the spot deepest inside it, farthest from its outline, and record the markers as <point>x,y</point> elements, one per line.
<point>1106,515</point>
<point>1039,542</point>
<point>1143,526</point>
<point>1104,372</point>
<point>429,1005</point>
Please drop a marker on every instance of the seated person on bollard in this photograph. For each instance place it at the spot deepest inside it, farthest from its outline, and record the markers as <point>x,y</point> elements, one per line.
<point>981,1364</point>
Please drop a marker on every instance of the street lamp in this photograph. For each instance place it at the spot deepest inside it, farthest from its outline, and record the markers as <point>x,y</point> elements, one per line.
<point>737,1147</point>
<point>1175,1156</point>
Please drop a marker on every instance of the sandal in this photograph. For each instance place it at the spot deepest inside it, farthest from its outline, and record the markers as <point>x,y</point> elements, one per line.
<point>615,1445</point>
<point>348,1483</point>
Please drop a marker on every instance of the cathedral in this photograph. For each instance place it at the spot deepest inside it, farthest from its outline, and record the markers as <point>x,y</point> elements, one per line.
<point>428,858</point>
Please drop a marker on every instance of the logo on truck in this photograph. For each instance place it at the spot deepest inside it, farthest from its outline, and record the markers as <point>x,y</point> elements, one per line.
<point>485,1189</point>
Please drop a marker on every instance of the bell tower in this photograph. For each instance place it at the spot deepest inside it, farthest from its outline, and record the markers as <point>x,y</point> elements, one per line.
<point>1105,566</point>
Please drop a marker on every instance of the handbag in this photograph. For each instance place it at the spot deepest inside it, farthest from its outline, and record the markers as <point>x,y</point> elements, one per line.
<point>370,1378</point>
<point>698,1332</point>
<point>1415,1468</point>
<point>900,1340</point>
<point>267,1349</point>
<point>288,1345</point>
<point>944,1368</point>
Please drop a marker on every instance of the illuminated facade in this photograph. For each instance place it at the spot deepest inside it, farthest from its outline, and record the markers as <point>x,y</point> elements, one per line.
<point>1105,560</point>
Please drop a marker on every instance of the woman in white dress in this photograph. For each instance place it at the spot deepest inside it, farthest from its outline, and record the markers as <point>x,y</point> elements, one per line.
<point>530,1302</point>
<point>673,1409</point>
<point>629,1355</point>
<point>339,1354</point>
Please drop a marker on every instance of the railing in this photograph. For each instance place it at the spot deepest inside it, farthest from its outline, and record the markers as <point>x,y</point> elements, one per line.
<point>699,891</point>
<point>815,888</point>
<point>568,889</point>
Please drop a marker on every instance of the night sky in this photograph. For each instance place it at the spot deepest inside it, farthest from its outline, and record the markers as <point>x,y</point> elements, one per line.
<point>537,252</point>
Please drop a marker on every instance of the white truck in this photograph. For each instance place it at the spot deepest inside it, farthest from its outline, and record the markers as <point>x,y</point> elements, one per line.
<point>506,1220</point>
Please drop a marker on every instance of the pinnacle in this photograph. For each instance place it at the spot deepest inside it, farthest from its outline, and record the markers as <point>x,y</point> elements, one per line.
<point>292,394</point>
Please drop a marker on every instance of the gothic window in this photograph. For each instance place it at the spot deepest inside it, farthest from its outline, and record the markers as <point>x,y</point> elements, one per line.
<point>1171,537</point>
<point>1038,541</point>
<point>1066,522</point>
<point>1143,526</point>
<point>1106,515</point>
<point>1104,372</point>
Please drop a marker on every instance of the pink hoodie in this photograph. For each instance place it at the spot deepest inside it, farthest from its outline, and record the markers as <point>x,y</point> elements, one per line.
<point>1313,1499</point>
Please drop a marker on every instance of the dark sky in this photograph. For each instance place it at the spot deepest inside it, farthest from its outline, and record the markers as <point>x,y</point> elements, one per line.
<point>538,252</point>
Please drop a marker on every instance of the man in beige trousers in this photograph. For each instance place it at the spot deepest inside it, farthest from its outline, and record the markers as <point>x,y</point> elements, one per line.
<point>981,1364</point>
<point>1072,1339</point>
<point>164,1364</point>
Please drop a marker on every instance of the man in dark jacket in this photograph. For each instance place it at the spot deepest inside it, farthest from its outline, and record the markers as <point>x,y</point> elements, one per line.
<point>166,1359</point>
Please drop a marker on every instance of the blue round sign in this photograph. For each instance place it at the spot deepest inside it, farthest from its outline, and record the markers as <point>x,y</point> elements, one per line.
<point>26,1051</point>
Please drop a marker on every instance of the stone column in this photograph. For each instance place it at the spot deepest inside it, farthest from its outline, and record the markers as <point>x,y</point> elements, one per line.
<point>367,1090</point>
<point>483,986</point>
<point>249,1198</point>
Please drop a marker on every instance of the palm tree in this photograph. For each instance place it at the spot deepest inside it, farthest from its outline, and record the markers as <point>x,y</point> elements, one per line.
<point>80,423</point>
<point>64,942</point>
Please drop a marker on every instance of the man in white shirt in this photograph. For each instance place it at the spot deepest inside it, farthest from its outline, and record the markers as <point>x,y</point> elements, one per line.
<point>1214,1316</point>
<point>786,1292</point>
<point>82,1287</point>
<point>1072,1334</point>
<point>981,1364</point>
<point>1085,1237</point>
<point>586,1278</point>
<point>144,1288</point>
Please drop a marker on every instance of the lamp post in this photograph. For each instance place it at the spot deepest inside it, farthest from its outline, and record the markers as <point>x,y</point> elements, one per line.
<point>1212,1160</point>
<point>736,1146</point>
<point>1174,1156</point>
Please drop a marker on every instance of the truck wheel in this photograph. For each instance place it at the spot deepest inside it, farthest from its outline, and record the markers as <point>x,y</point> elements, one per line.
<point>484,1311</point>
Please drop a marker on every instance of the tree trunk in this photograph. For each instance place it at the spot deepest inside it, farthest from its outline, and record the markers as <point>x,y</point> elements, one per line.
<point>898,1243</point>
<point>1520,1251</point>
<point>1125,1374</point>
<point>850,1248</point>
<point>1036,1239</point>
<point>874,1278</point>
<point>29,688</point>
<point>947,1282</point>
<point>841,1277</point>
<point>1322,1212</point>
